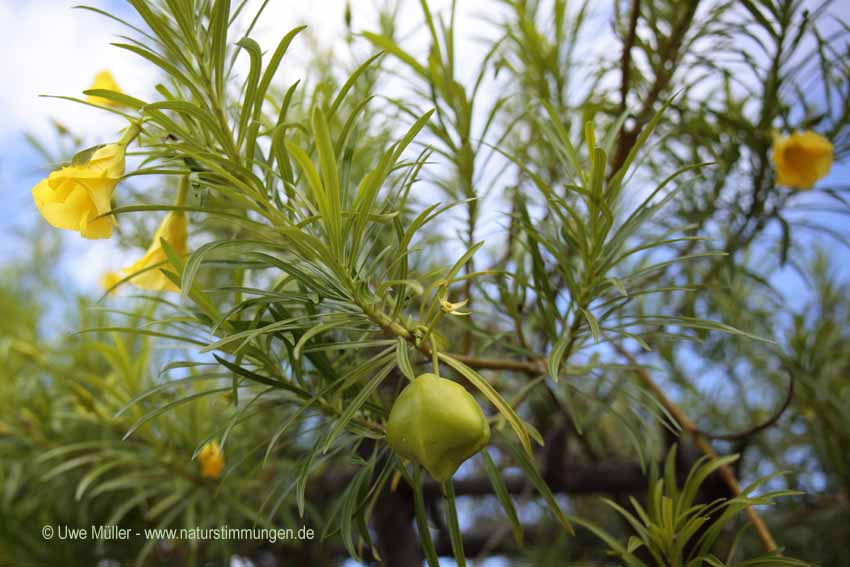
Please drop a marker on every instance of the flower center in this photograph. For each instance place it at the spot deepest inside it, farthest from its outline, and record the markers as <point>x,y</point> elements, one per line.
<point>797,158</point>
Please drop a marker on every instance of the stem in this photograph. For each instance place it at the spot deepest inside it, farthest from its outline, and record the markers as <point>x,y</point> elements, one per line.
<point>454,527</point>
<point>130,134</point>
<point>435,361</point>
<point>182,191</point>
<point>221,116</point>
<point>533,367</point>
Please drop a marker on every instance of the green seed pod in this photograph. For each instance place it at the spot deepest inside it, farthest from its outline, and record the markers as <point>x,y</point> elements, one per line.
<point>438,424</point>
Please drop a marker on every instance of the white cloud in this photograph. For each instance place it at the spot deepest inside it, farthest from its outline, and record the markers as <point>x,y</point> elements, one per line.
<point>50,48</point>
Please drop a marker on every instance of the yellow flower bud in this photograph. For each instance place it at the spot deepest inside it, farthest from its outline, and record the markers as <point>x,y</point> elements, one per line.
<point>104,81</point>
<point>74,196</point>
<point>211,459</point>
<point>173,230</point>
<point>801,159</point>
<point>438,424</point>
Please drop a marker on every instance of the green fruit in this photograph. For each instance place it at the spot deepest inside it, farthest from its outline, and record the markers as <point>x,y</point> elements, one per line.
<point>438,424</point>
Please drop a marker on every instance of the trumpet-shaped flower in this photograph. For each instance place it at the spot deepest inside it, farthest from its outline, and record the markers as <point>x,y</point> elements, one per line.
<point>109,280</point>
<point>173,230</point>
<point>801,159</point>
<point>104,81</point>
<point>74,197</point>
<point>211,459</point>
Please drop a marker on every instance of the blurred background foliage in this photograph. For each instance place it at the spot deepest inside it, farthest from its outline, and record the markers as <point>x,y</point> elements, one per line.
<point>642,295</point>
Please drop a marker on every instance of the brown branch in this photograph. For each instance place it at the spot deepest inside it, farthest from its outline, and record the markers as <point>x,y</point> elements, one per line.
<point>627,54</point>
<point>533,367</point>
<point>477,542</point>
<point>628,138</point>
<point>610,477</point>
<point>600,478</point>
<point>761,426</point>
<point>682,419</point>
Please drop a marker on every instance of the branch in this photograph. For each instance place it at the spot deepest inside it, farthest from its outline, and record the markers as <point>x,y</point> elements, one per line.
<point>478,542</point>
<point>725,472</point>
<point>533,367</point>
<point>600,478</point>
<point>611,477</point>
<point>627,54</point>
<point>761,426</point>
<point>627,140</point>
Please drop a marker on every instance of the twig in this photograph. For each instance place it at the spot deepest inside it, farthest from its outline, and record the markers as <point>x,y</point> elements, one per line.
<point>726,473</point>
<point>627,54</point>
<point>628,138</point>
<point>533,367</point>
<point>757,428</point>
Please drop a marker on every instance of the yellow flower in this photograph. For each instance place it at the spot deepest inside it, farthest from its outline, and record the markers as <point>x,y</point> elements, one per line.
<point>104,81</point>
<point>211,459</point>
<point>74,196</point>
<point>109,280</point>
<point>801,159</point>
<point>449,307</point>
<point>173,230</point>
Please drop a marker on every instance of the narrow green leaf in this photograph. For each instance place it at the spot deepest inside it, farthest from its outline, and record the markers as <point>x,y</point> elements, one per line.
<point>454,527</point>
<point>502,494</point>
<point>525,462</point>
<point>421,513</point>
<point>495,398</point>
<point>354,405</point>
<point>270,71</point>
<point>403,360</point>
<point>255,55</point>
